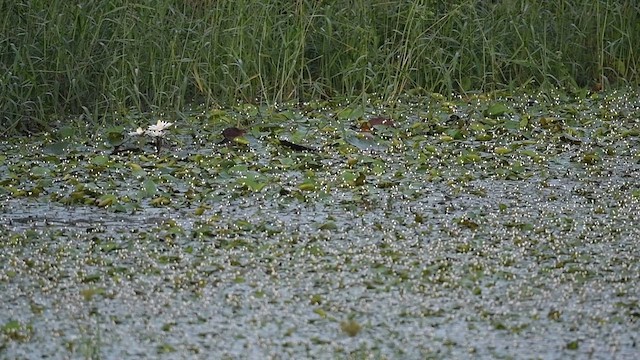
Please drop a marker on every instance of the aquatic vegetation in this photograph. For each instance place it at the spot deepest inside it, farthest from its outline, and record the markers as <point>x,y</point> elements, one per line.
<point>503,225</point>
<point>155,131</point>
<point>179,53</point>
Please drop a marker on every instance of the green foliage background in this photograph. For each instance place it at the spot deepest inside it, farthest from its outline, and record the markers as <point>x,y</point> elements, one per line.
<point>100,57</point>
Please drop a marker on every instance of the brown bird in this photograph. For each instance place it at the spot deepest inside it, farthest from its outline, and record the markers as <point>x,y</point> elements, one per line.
<point>231,133</point>
<point>367,126</point>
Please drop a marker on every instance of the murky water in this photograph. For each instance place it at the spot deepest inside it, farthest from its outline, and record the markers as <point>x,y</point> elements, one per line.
<point>491,269</point>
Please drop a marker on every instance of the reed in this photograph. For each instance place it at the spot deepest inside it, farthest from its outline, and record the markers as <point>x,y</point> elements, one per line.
<point>97,58</point>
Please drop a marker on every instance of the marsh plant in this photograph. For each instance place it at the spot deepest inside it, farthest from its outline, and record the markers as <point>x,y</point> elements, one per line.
<point>157,132</point>
<point>164,55</point>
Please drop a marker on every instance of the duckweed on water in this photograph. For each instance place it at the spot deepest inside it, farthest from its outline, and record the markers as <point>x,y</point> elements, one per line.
<point>481,227</point>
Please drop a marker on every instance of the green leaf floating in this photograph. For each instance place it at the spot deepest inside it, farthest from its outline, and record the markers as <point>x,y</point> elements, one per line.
<point>329,225</point>
<point>100,160</point>
<point>350,113</point>
<point>496,110</point>
<point>57,148</point>
<point>150,188</point>
<point>365,143</point>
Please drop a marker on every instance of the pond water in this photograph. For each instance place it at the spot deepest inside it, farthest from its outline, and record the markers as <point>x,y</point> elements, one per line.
<point>454,259</point>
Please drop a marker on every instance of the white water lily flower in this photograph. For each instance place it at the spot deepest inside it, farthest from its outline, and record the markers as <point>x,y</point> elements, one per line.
<point>159,126</point>
<point>139,131</point>
<point>155,133</point>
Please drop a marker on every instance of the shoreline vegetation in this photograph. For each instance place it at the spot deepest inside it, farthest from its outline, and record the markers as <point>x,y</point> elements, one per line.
<point>95,59</point>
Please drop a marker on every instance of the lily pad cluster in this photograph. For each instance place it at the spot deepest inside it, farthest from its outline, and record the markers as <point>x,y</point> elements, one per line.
<point>319,148</point>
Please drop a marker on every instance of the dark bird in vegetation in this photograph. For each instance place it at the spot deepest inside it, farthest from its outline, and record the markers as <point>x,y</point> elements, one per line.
<point>372,123</point>
<point>597,87</point>
<point>231,133</point>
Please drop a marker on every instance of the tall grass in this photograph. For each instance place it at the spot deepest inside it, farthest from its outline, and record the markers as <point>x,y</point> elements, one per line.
<point>95,58</point>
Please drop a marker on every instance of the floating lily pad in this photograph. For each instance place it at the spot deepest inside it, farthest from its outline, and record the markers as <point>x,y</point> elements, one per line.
<point>495,110</point>
<point>365,143</point>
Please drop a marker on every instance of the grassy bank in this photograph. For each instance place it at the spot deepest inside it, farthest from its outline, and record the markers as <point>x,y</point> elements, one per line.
<point>95,57</point>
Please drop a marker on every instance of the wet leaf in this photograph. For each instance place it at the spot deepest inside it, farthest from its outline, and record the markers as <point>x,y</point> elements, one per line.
<point>329,225</point>
<point>496,110</point>
<point>307,186</point>
<point>320,312</point>
<point>350,113</point>
<point>160,201</point>
<point>573,345</point>
<point>107,200</point>
<point>57,148</point>
<point>100,160</point>
<point>149,187</point>
<point>115,135</point>
<point>350,327</point>
<point>365,143</point>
